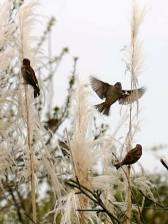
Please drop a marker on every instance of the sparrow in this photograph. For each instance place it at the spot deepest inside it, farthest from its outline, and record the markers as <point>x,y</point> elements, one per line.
<point>51,124</point>
<point>112,93</point>
<point>131,157</point>
<point>29,76</point>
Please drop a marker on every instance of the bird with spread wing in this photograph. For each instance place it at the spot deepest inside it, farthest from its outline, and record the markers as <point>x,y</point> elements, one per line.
<point>113,93</point>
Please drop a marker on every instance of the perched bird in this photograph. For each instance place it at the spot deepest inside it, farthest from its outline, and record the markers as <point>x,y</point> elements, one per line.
<point>112,93</point>
<point>29,76</point>
<point>131,157</point>
<point>52,124</point>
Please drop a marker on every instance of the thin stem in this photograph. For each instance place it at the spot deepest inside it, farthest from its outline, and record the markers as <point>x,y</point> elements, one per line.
<point>32,176</point>
<point>29,134</point>
<point>129,135</point>
<point>17,206</point>
<point>93,197</point>
<point>129,201</point>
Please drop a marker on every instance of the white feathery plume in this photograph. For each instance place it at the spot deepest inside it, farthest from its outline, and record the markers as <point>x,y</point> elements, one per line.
<point>145,186</point>
<point>134,66</point>
<point>80,144</point>
<point>110,146</point>
<point>8,96</point>
<point>7,52</point>
<point>21,134</point>
<point>134,59</point>
<point>72,203</point>
<point>66,209</point>
<point>27,20</point>
<point>52,173</point>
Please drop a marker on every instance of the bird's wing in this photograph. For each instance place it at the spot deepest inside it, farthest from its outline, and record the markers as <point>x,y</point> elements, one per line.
<point>130,156</point>
<point>29,75</point>
<point>33,76</point>
<point>129,96</point>
<point>99,87</point>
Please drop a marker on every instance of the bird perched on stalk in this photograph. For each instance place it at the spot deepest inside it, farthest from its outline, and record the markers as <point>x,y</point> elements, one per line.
<point>131,157</point>
<point>29,76</point>
<point>51,124</point>
<point>112,93</point>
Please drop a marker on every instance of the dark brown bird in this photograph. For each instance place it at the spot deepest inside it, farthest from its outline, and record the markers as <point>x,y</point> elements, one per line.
<point>112,93</point>
<point>51,124</point>
<point>29,76</point>
<point>131,157</point>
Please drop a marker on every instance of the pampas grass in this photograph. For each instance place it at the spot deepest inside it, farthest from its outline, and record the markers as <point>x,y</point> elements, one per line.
<point>134,65</point>
<point>8,95</point>
<point>82,156</point>
<point>26,20</point>
<point>25,158</point>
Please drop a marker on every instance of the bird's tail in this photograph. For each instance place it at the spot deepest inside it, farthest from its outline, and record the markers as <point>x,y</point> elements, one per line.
<point>117,165</point>
<point>36,91</point>
<point>103,108</point>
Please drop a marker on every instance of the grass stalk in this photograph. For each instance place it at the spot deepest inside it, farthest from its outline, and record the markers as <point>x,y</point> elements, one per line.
<point>28,123</point>
<point>129,201</point>
<point>31,160</point>
<point>134,65</point>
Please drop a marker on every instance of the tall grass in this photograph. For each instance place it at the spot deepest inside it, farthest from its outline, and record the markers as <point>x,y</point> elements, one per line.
<point>134,65</point>
<point>23,136</point>
<point>26,51</point>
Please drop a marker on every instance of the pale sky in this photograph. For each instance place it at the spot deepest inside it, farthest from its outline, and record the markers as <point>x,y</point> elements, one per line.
<point>96,31</point>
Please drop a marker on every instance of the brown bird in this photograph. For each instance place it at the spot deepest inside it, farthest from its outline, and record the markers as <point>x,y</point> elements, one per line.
<point>51,124</point>
<point>131,157</point>
<point>29,76</point>
<point>112,93</point>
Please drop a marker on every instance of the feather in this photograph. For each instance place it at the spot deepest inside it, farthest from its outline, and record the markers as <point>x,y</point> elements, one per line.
<point>130,96</point>
<point>99,87</point>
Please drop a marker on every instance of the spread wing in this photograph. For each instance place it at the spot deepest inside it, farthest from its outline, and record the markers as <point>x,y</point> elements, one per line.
<point>99,87</point>
<point>129,96</point>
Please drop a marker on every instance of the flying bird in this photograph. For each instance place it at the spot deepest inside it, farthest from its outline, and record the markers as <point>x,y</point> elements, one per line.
<point>29,76</point>
<point>112,93</point>
<point>131,157</point>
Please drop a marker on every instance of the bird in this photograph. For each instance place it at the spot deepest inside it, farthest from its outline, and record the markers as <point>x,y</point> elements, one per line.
<point>112,93</point>
<point>51,124</point>
<point>131,157</point>
<point>29,76</point>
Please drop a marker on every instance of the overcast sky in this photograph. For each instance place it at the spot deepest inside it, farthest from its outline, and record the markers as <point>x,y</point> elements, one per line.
<point>96,31</point>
